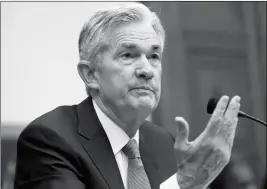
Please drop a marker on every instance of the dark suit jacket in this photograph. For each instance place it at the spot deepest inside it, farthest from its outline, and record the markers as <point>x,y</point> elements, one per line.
<point>67,148</point>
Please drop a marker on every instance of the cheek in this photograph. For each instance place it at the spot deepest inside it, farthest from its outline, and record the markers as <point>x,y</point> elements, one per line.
<point>120,83</point>
<point>115,82</point>
<point>158,82</point>
<point>157,76</point>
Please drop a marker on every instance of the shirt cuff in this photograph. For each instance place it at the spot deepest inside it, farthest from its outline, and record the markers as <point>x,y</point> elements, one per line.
<point>170,183</point>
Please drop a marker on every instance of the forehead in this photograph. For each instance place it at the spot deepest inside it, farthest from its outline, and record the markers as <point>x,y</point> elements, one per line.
<point>136,35</point>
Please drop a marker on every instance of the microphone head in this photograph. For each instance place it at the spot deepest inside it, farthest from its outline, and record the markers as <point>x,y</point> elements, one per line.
<point>212,105</point>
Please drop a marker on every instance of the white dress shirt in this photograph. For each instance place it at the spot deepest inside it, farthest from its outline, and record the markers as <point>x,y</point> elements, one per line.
<point>118,139</point>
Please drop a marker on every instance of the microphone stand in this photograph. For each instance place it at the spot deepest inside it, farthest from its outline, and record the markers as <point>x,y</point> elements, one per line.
<point>252,118</point>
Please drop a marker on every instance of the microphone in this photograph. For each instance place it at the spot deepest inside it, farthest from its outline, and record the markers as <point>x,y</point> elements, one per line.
<point>212,105</point>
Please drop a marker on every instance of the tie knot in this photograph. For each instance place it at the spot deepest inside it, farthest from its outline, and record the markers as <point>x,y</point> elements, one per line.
<point>131,149</point>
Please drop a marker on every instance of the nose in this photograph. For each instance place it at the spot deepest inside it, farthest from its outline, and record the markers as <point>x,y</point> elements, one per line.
<point>145,70</point>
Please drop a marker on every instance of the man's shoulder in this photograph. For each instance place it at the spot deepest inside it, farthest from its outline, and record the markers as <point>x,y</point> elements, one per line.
<point>62,115</point>
<point>61,121</point>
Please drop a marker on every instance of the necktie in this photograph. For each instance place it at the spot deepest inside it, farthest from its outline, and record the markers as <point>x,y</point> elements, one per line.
<point>137,178</point>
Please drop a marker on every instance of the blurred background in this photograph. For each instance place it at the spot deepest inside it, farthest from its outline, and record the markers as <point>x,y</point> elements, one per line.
<point>212,49</point>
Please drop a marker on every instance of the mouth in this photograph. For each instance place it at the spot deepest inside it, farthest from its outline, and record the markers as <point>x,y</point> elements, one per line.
<point>143,88</point>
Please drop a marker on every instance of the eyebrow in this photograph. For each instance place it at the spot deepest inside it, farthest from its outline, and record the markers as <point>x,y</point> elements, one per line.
<point>155,47</point>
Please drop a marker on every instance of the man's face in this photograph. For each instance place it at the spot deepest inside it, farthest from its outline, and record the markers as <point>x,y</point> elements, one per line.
<point>129,74</point>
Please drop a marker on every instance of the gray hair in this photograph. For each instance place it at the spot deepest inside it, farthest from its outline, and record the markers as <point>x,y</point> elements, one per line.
<point>93,31</point>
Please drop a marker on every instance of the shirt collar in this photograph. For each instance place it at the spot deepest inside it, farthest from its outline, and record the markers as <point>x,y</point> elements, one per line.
<point>116,136</point>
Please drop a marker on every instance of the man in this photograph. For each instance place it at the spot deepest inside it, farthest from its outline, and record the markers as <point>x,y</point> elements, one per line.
<point>105,142</point>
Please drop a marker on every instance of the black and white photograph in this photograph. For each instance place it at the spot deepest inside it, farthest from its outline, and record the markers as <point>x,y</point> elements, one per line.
<point>133,95</point>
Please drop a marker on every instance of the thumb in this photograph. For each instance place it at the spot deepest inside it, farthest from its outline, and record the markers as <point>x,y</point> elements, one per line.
<point>182,131</point>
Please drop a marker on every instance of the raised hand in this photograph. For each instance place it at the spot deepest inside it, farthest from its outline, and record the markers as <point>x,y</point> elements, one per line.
<point>200,161</point>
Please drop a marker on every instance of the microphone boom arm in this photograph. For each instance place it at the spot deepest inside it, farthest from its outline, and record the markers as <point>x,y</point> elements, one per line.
<point>212,105</point>
<point>251,117</point>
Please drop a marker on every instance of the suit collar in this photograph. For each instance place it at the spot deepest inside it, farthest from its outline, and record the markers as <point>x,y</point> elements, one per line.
<point>98,147</point>
<point>88,123</point>
<point>116,135</point>
<point>148,157</point>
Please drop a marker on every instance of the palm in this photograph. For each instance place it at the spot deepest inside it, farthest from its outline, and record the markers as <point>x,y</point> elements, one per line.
<point>201,160</point>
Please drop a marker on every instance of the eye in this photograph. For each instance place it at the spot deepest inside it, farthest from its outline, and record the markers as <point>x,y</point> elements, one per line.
<point>127,55</point>
<point>155,57</point>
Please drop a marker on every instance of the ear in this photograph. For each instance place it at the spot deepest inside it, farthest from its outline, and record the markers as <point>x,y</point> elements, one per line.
<point>86,72</point>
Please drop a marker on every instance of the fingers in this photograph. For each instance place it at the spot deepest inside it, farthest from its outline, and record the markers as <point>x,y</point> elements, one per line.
<point>228,132</point>
<point>228,128</point>
<point>233,108</point>
<point>220,107</point>
<point>217,116</point>
<point>182,132</point>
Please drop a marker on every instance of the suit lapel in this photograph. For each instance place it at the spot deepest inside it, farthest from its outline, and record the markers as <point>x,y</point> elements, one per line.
<point>97,145</point>
<point>148,159</point>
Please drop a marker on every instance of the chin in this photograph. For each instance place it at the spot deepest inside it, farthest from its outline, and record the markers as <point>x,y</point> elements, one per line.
<point>146,104</point>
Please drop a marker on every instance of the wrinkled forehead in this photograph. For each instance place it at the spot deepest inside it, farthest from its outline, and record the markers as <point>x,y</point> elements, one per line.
<point>134,35</point>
